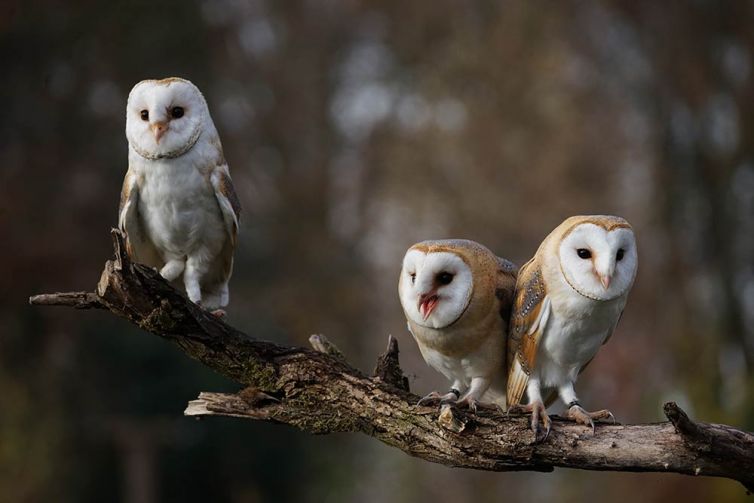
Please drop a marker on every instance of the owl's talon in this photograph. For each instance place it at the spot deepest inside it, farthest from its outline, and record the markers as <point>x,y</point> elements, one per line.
<point>218,313</point>
<point>538,411</point>
<point>548,427</point>
<point>581,416</point>
<point>436,397</point>
<point>470,402</point>
<point>429,398</point>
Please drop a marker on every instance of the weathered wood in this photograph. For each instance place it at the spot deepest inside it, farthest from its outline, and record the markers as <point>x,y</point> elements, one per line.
<point>319,392</point>
<point>78,300</point>
<point>389,368</point>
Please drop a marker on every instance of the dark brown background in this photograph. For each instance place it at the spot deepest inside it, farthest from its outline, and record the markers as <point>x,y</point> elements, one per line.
<point>354,129</point>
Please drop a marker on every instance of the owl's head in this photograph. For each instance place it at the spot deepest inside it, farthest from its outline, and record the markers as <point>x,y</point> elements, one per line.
<point>598,256</point>
<point>439,278</point>
<point>164,118</point>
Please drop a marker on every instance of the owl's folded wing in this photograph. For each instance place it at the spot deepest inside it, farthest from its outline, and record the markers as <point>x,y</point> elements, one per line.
<point>531,309</point>
<point>227,199</point>
<point>231,211</point>
<point>505,288</point>
<point>129,195</point>
<point>138,245</point>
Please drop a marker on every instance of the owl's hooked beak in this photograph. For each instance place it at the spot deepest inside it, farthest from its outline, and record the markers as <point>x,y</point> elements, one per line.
<point>158,130</point>
<point>605,280</point>
<point>427,303</point>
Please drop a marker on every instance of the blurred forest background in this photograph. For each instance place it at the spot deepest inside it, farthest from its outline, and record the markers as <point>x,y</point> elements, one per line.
<point>354,129</point>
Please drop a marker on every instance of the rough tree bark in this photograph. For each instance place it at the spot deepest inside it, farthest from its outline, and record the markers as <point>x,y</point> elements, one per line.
<point>319,392</point>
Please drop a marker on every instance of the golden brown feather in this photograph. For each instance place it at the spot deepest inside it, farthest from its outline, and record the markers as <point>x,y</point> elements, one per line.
<point>522,342</point>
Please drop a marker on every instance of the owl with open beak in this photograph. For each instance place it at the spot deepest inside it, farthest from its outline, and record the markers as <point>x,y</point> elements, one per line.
<point>457,296</point>
<point>569,298</point>
<point>178,208</point>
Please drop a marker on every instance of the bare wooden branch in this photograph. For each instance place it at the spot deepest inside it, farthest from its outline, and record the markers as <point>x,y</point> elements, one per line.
<point>319,392</point>
<point>78,300</point>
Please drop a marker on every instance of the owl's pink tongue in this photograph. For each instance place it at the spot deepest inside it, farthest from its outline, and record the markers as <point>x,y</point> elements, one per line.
<point>427,306</point>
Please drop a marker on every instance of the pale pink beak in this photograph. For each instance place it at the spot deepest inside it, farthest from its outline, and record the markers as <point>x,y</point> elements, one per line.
<point>427,303</point>
<point>605,280</point>
<point>158,129</point>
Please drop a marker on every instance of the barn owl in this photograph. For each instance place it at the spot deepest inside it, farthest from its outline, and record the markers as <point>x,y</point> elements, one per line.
<point>178,208</point>
<point>568,300</point>
<point>457,297</point>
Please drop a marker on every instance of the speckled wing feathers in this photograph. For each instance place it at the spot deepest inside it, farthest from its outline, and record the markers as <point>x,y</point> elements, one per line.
<point>531,308</point>
<point>227,199</point>
<point>231,211</point>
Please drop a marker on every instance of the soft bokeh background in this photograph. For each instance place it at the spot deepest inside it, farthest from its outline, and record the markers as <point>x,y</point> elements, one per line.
<point>354,129</point>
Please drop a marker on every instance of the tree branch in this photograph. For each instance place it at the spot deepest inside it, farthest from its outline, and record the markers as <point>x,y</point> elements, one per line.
<point>319,392</point>
<point>78,300</point>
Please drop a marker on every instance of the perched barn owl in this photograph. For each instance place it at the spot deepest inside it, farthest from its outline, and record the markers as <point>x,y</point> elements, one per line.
<point>178,207</point>
<point>569,298</point>
<point>457,298</point>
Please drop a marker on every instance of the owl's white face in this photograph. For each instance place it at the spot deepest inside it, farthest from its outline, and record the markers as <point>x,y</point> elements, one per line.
<point>598,263</point>
<point>164,118</point>
<point>435,288</point>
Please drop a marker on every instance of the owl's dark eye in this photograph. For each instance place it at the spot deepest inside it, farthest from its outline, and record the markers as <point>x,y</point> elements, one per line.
<point>619,255</point>
<point>413,277</point>
<point>444,278</point>
<point>176,112</point>
<point>145,115</point>
<point>584,253</point>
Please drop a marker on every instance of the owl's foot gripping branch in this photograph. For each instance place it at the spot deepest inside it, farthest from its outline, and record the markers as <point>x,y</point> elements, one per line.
<point>319,392</point>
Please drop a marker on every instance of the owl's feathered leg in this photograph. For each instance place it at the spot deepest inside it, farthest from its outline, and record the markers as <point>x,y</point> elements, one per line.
<point>224,294</point>
<point>196,269</point>
<point>172,269</point>
<point>576,413</point>
<point>210,300</point>
<point>215,299</point>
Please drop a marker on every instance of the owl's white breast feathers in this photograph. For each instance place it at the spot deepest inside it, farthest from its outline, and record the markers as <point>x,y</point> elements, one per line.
<point>483,359</point>
<point>575,330</point>
<point>177,203</point>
